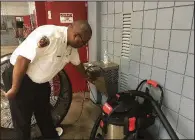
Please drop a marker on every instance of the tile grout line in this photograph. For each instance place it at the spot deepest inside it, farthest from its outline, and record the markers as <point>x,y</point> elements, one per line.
<point>178,117</point>
<point>164,88</point>
<point>161,68</point>
<point>164,29</point>
<point>141,43</point>
<point>178,6</point>
<point>162,49</point>
<point>158,132</point>
<point>168,60</point>
<point>154,39</point>
<point>169,49</point>
<point>177,113</point>
<point>185,69</point>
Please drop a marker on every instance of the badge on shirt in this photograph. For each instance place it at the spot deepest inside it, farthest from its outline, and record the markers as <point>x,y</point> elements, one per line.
<point>43,42</point>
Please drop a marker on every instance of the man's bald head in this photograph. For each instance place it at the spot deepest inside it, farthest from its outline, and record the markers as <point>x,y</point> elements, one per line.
<point>79,33</point>
<point>83,27</point>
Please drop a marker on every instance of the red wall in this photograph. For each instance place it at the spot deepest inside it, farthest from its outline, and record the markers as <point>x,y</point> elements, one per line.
<point>27,20</point>
<point>40,13</point>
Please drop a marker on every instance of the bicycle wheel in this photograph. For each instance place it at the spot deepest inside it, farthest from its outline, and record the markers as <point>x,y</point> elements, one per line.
<point>60,100</point>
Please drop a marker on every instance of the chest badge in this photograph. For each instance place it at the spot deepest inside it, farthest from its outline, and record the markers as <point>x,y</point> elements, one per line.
<point>43,42</point>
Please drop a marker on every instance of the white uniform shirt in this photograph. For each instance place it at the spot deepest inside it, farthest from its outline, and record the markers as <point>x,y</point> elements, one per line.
<point>47,61</point>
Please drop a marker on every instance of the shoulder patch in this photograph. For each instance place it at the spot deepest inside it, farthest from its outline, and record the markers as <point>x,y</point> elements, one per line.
<point>43,42</point>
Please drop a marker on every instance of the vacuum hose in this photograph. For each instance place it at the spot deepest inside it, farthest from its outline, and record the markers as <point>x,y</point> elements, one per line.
<point>95,128</point>
<point>164,121</point>
<point>161,116</point>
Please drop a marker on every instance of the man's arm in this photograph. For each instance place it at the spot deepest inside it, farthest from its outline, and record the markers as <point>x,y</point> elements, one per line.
<point>80,68</point>
<point>19,71</point>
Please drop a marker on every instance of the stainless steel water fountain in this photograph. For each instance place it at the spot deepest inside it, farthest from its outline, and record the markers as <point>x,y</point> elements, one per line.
<point>106,74</point>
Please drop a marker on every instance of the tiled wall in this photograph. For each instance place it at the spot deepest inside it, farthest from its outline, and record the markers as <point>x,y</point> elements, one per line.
<point>162,48</point>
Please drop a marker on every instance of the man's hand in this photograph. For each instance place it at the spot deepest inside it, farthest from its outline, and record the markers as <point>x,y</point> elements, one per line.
<point>11,93</point>
<point>19,71</point>
<point>80,68</point>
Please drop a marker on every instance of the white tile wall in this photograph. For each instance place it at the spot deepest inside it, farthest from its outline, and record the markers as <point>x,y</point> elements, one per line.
<point>145,71</point>
<point>182,16</point>
<point>187,108</point>
<point>176,76</point>
<point>146,55</point>
<point>165,4</point>
<point>158,75</point>
<point>164,18</point>
<point>150,5</point>
<point>183,3</point>
<point>191,48</point>
<point>132,82</point>
<point>138,6</point>
<point>186,127</point>
<point>110,34</point>
<point>136,36</point>
<point>188,87</point>
<point>171,116</point>
<point>118,20</point>
<point>135,52</point>
<point>174,82</point>
<point>149,19</point>
<point>134,68</point>
<point>124,65</point>
<point>174,65</point>
<point>104,32</point>
<point>111,57</point>
<point>103,48</point>
<point>160,58</point>
<point>148,38</point>
<point>111,20</point>
<point>110,47</point>
<point>110,7</point>
<point>118,7</point>
<point>104,7</point>
<point>104,45</point>
<point>190,66</point>
<point>137,18</point>
<point>179,41</point>
<point>104,20</point>
<point>117,49</point>
<point>163,133</point>
<point>162,39</point>
<point>127,7</point>
<point>117,60</point>
<point>172,100</point>
<point>117,35</point>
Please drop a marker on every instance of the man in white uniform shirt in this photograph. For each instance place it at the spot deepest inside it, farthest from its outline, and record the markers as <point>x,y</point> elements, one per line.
<point>34,63</point>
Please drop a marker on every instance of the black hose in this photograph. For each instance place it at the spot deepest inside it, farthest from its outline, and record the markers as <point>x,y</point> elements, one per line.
<point>95,127</point>
<point>164,121</point>
<point>159,112</point>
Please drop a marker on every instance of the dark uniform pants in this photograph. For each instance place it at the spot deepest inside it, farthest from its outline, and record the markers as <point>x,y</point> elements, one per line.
<point>31,98</point>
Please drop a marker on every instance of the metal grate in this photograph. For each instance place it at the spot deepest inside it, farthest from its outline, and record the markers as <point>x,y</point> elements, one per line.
<point>126,35</point>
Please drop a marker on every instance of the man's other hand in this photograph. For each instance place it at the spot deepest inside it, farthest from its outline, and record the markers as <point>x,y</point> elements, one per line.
<point>11,93</point>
